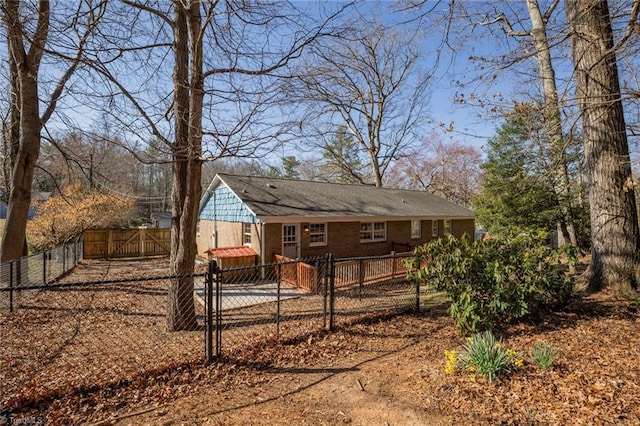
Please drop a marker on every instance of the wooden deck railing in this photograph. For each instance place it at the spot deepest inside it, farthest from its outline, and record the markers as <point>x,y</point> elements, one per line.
<point>347,273</point>
<point>298,274</point>
<point>368,271</point>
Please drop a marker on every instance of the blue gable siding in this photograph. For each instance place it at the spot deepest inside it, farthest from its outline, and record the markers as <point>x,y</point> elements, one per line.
<point>223,205</point>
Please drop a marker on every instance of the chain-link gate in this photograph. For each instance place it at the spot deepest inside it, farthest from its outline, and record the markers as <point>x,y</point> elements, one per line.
<point>291,298</point>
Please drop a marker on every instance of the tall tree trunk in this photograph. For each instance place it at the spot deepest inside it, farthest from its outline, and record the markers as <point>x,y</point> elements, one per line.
<point>27,66</point>
<point>12,132</point>
<point>553,121</point>
<point>187,166</point>
<point>614,220</point>
<point>377,174</point>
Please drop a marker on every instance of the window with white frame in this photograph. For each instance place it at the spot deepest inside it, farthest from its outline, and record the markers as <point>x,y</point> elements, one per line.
<point>373,231</point>
<point>434,228</point>
<point>246,234</point>
<point>447,227</point>
<point>317,234</point>
<point>416,231</point>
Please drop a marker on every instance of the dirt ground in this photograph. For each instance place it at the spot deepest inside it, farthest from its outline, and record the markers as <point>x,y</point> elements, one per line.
<point>387,370</point>
<point>391,372</point>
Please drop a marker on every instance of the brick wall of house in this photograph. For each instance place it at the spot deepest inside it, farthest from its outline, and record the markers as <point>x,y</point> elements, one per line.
<point>461,227</point>
<point>343,238</point>
<point>273,241</point>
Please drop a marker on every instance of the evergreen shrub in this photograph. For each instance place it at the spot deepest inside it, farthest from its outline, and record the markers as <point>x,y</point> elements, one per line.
<point>495,280</point>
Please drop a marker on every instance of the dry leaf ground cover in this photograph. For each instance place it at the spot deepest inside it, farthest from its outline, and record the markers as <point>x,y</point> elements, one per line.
<point>386,369</point>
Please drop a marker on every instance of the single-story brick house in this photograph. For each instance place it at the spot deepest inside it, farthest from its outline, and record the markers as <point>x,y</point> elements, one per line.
<point>300,219</point>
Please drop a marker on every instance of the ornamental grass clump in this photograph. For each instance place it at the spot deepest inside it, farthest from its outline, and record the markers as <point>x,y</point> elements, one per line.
<point>543,355</point>
<point>483,355</point>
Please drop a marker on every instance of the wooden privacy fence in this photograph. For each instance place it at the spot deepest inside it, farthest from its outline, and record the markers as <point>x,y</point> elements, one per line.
<point>114,243</point>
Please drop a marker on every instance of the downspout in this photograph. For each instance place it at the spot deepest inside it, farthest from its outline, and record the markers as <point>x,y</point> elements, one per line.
<point>215,221</point>
<point>262,243</point>
<point>262,249</point>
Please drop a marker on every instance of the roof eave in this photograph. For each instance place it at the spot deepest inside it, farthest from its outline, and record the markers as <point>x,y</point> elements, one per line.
<point>313,218</point>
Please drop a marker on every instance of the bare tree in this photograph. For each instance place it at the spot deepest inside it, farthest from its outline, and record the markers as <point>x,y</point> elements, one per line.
<point>92,160</point>
<point>25,125</point>
<point>368,81</point>
<point>226,57</point>
<point>449,170</point>
<point>615,236</point>
<point>27,41</point>
<point>553,119</point>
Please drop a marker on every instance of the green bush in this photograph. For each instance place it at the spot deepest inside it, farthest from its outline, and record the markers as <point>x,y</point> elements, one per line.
<point>499,279</point>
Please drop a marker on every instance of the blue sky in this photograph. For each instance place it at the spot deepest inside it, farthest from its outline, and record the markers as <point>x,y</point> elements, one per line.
<point>456,75</point>
<point>468,127</point>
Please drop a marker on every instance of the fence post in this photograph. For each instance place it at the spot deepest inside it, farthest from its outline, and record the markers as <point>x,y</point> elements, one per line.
<point>11,286</point>
<point>278,302</point>
<point>209,321</point>
<point>332,281</point>
<point>218,321</point>
<point>393,264</point>
<point>361,277</point>
<point>417,296</point>
<point>44,266</point>
<point>324,288</point>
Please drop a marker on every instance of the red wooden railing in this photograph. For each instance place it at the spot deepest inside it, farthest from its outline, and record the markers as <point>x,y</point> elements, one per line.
<point>347,273</point>
<point>297,273</point>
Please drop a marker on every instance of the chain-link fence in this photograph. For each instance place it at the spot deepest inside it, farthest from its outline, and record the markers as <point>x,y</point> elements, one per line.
<point>262,303</point>
<point>369,285</point>
<point>39,269</point>
<point>126,320</point>
<point>64,338</point>
<point>291,298</point>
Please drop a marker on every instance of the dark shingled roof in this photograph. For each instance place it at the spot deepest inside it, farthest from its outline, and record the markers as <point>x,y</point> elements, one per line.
<point>271,197</point>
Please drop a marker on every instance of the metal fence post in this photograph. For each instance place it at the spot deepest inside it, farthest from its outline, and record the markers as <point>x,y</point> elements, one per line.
<point>417,296</point>
<point>332,275</point>
<point>324,289</point>
<point>278,302</point>
<point>218,275</point>
<point>44,266</point>
<point>393,265</point>
<point>361,277</point>
<point>11,286</point>
<point>209,304</point>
